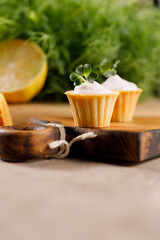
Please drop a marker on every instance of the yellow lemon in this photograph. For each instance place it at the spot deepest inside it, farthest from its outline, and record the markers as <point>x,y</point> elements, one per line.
<point>23,70</point>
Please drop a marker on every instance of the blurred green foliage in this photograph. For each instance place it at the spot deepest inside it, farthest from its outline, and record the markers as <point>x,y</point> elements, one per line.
<point>74,32</point>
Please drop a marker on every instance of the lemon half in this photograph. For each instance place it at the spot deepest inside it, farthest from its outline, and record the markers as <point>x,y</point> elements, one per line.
<point>23,70</point>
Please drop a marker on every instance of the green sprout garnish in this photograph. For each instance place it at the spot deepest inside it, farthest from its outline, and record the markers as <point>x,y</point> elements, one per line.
<point>108,69</point>
<point>82,74</point>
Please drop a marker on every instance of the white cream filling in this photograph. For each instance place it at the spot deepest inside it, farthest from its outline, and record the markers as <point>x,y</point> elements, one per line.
<point>90,88</point>
<point>117,83</point>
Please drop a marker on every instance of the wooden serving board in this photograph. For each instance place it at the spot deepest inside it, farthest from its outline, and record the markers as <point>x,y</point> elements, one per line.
<point>135,141</point>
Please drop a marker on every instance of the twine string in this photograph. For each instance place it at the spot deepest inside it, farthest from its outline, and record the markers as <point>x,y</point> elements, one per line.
<point>64,146</point>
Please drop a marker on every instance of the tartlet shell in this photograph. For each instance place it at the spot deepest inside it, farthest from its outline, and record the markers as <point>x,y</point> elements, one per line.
<point>125,105</point>
<point>92,110</point>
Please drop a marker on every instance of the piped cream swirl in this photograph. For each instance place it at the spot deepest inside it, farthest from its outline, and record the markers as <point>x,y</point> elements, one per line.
<point>117,83</point>
<point>91,88</point>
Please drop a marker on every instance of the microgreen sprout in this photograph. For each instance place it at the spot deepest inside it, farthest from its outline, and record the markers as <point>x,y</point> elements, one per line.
<point>108,69</point>
<point>83,73</point>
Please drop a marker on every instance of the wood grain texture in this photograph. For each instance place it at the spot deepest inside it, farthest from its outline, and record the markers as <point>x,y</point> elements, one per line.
<point>117,145</point>
<point>149,144</point>
<point>139,124</point>
<point>19,144</point>
<point>110,144</point>
<point>135,141</point>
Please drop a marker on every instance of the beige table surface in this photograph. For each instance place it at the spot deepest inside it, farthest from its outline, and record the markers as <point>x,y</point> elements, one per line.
<point>78,199</point>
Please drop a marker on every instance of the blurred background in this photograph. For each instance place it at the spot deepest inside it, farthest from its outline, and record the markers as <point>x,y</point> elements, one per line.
<point>73,32</point>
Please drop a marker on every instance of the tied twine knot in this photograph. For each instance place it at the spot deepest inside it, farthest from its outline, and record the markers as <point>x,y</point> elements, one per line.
<point>64,146</point>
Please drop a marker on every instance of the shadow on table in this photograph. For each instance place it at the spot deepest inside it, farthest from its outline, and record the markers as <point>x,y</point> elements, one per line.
<point>72,163</point>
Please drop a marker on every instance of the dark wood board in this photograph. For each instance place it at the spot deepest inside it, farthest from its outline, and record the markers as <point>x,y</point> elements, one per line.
<point>117,145</point>
<point>136,141</point>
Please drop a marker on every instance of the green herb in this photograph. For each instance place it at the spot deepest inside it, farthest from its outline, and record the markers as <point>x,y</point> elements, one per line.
<point>82,74</point>
<point>107,69</point>
<point>72,32</point>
